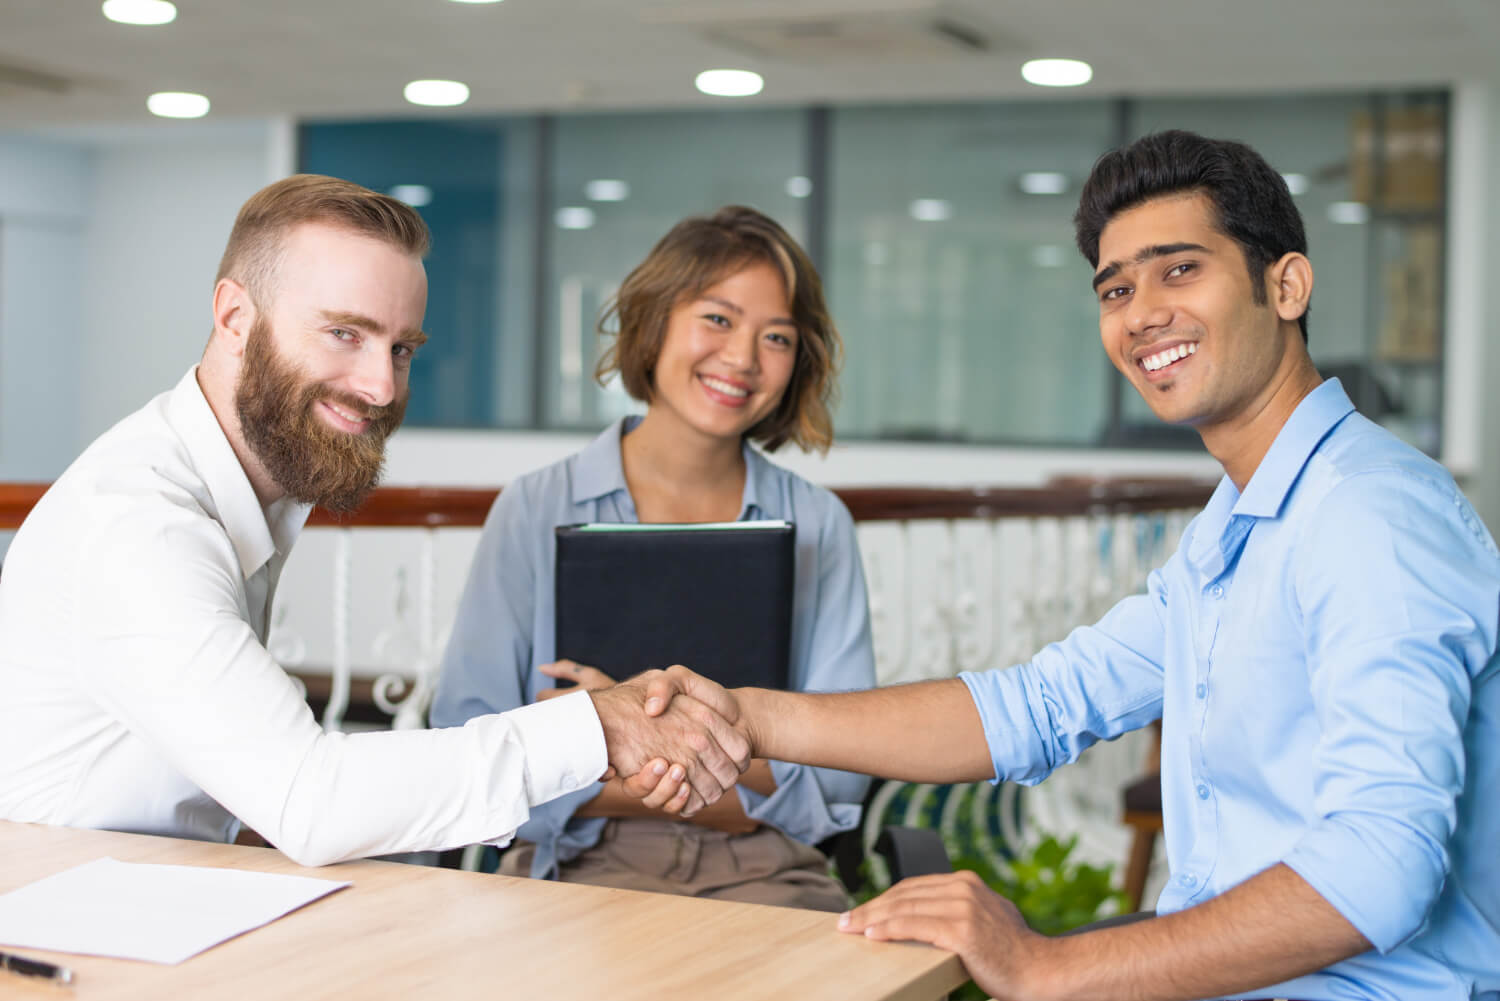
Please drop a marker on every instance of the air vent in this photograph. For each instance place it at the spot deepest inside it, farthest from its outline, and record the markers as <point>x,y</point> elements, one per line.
<point>913,32</point>
<point>20,81</point>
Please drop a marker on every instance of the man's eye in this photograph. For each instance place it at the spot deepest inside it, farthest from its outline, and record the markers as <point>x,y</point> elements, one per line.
<point>403,350</point>
<point>1115,293</point>
<point>342,334</point>
<point>1178,270</point>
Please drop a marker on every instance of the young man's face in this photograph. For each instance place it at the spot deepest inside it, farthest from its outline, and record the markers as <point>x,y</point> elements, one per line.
<point>1178,316</point>
<point>323,380</point>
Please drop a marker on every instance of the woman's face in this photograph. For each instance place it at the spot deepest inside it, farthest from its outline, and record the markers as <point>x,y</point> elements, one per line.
<point>728,354</point>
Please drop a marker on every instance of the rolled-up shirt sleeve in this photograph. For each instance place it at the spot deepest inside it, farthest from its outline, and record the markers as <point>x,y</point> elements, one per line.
<point>1396,632</point>
<point>1095,684</point>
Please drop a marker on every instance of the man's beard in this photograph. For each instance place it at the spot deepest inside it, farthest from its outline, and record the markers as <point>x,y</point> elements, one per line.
<point>313,462</point>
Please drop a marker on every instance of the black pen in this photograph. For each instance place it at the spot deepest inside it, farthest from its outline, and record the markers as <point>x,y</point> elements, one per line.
<point>35,968</point>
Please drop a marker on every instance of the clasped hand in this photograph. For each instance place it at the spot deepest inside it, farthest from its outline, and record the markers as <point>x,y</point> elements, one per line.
<point>671,735</point>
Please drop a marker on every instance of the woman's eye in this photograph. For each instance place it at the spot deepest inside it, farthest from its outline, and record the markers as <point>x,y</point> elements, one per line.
<point>717,319</point>
<point>783,340</point>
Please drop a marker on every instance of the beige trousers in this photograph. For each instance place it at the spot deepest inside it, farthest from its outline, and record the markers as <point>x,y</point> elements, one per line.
<point>666,856</point>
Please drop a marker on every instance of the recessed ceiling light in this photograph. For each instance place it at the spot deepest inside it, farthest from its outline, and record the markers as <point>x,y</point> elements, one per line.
<point>1297,184</point>
<point>436,93</point>
<point>415,195</point>
<point>729,83</point>
<point>931,210</point>
<point>575,217</point>
<point>177,104</point>
<point>139,11</point>
<point>1044,182</point>
<point>1349,213</point>
<point>1057,72</point>
<point>799,186</point>
<point>606,189</point>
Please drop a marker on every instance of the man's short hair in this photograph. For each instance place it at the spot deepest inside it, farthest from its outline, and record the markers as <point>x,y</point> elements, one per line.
<point>1252,204</point>
<point>255,243</point>
<point>696,254</point>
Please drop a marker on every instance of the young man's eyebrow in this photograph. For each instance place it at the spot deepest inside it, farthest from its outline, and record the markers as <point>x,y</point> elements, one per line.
<point>371,324</point>
<point>1146,254</point>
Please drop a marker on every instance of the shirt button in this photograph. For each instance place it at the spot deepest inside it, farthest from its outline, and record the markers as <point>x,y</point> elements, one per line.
<point>1201,690</point>
<point>1188,879</point>
<point>1202,791</point>
<point>1217,590</point>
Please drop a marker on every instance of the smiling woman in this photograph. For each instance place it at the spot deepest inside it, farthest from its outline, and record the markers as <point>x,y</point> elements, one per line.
<point>723,334</point>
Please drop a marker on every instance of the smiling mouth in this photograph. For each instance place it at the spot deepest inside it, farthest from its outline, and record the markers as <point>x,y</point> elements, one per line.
<point>355,420</point>
<point>725,388</point>
<point>1167,358</point>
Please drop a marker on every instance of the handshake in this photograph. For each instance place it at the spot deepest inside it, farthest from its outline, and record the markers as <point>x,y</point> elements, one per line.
<point>678,740</point>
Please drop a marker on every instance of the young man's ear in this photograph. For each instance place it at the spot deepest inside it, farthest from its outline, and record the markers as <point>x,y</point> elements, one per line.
<point>1289,282</point>
<point>234,315</point>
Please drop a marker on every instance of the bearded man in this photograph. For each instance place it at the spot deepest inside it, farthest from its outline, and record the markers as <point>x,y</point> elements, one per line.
<point>139,695</point>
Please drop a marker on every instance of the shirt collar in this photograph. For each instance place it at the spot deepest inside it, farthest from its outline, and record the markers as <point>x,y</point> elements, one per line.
<point>1272,480</point>
<point>600,470</point>
<point>257,534</point>
<point>1227,517</point>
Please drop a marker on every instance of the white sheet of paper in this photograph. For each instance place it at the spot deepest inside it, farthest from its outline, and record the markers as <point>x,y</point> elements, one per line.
<point>159,913</point>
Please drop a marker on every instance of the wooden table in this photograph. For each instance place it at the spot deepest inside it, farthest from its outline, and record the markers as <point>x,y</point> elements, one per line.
<point>412,932</point>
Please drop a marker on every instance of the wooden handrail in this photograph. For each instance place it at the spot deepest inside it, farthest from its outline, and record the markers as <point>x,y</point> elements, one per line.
<point>465,507</point>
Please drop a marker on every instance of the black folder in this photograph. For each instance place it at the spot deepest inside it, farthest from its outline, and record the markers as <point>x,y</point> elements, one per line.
<point>716,598</point>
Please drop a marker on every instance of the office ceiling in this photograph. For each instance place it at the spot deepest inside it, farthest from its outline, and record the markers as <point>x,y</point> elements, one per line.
<point>61,62</point>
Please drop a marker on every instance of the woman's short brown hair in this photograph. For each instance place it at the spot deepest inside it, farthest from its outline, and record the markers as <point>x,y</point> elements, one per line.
<point>698,253</point>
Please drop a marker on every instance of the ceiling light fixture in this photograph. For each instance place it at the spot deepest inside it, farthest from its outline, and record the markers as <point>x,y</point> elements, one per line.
<point>606,189</point>
<point>575,217</point>
<point>177,104</point>
<point>729,83</point>
<point>931,210</point>
<point>415,195</point>
<point>1044,182</point>
<point>1057,72</point>
<point>799,186</point>
<point>436,93</point>
<point>139,11</point>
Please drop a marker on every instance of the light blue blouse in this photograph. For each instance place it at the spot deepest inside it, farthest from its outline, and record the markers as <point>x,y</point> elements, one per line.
<point>1322,652</point>
<point>505,626</point>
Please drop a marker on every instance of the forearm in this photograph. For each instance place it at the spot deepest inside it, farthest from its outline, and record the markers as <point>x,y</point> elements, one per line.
<point>1269,929</point>
<point>926,732</point>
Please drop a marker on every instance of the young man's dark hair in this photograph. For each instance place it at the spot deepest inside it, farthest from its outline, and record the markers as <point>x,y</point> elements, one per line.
<point>1251,199</point>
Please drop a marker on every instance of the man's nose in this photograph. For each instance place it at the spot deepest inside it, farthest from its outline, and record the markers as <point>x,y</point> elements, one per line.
<point>374,377</point>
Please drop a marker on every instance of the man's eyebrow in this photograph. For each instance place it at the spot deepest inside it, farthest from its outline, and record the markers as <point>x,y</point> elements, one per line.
<point>1146,254</point>
<point>371,324</point>
<point>777,321</point>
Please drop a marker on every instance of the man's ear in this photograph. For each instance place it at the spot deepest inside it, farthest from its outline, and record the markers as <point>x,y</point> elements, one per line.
<point>234,315</point>
<point>1289,282</point>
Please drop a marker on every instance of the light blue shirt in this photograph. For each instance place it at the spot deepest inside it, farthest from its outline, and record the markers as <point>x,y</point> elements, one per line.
<point>506,626</point>
<point>1321,650</point>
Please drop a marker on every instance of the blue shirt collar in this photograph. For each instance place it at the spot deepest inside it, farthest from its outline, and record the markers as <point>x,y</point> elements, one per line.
<point>1225,523</point>
<point>600,469</point>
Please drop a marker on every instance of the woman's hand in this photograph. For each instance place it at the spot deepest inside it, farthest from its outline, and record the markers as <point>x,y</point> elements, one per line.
<point>587,678</point>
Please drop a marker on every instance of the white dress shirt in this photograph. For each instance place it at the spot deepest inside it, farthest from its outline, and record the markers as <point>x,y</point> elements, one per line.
<point>136,693</point>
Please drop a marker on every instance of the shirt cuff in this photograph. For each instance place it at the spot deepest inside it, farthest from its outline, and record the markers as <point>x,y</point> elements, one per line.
<point>564,743</point>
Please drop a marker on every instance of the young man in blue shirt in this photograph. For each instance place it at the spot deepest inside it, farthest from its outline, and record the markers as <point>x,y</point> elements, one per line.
<point>1321,650</point>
